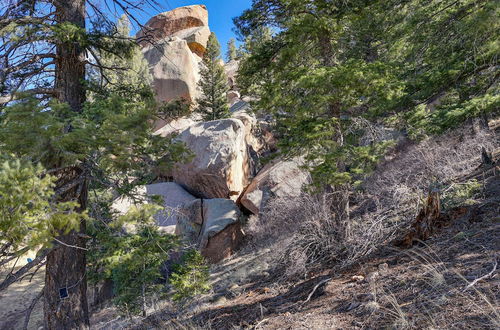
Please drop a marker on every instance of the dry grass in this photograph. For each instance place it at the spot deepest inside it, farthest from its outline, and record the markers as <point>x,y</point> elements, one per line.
<point>398,185</point>
<point>436,297</point>
<point>305,234</point>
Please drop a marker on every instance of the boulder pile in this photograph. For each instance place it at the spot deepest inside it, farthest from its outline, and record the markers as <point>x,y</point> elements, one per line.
<point>225,180</point>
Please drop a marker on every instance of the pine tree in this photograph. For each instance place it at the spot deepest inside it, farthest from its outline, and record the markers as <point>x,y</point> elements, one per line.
<point>231,50</point>
<point>331,66</point>
<point>212,104</point>
<point>75,135</point>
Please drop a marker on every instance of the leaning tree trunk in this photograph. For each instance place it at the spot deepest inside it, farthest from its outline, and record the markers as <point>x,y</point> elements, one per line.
<point>65,290</point>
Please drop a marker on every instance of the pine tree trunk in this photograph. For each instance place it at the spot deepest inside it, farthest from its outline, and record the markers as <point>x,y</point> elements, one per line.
<point>65,290</point>
<point>340,207</point>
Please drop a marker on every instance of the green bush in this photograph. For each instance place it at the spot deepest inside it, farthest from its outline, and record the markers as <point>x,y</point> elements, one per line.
<point>190,277</point>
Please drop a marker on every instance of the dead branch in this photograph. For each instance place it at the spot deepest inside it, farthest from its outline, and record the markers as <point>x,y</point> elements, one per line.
<point>30,309</point>
<point>316,288</point>
<point>259,323</point>
<point>490,274</point>
<point>23,270</point>
<point>15,96</point>
<point>69,245</point>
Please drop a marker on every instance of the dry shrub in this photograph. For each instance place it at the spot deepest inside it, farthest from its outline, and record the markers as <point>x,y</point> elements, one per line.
<point>303,232</point>
<point>397,187</point>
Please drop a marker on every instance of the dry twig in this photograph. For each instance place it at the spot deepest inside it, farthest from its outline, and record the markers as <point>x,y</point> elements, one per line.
<point>490,274</point>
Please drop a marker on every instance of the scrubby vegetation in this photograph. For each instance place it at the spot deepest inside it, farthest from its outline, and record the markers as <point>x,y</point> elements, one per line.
<point>392,104</point>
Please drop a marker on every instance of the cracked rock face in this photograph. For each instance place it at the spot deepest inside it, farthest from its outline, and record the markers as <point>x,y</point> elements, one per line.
<point>220,167</point>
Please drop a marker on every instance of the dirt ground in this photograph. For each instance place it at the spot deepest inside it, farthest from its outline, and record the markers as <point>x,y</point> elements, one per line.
<point>450,281</point>
<point>18,297</point>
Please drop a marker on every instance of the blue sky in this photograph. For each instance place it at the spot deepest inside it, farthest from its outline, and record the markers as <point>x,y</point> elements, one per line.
<point>220,14</point>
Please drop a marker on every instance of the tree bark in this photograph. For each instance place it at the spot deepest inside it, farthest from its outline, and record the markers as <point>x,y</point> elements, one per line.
<point>341,192</point>
<point>65,293</point>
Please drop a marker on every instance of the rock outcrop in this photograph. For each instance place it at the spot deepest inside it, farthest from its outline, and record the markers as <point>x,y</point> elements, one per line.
<point>186,22</point>
<point>174,68</point>
<point>173,195</point>
<point>213,225</point>
<point>280,178</point>
<point>173,44</point>
<point>175,126</point>
<point>220,166</point>
<point>231,69</point>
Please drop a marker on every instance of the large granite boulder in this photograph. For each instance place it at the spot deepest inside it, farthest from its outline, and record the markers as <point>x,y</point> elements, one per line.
<point>220,166</point>
<point>171,22</point>
<point>174,68</point>
<point>175,126</point>
<point>173,195</point>
<point>233,97</point>
<point>213,226</point>
<point>281,178</point>
<point>252,131</point>
<point>231,69</point>
<point>173,44</point>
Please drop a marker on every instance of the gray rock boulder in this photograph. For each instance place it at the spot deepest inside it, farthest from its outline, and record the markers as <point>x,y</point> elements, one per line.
<point>175,126</point>
<point>175,69</point>
<point>220,166</point>
<point>213,226</point>
<point>173,195</point>
<point>281,178</point>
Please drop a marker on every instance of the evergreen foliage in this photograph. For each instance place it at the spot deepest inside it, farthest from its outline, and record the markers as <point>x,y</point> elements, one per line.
<point>419,66</point>
<point>28,218</point>
<point>231,50</point>
<point>190,277</point>
<point>212,104</point>
<point>71,128</point>
<point>132,258</point>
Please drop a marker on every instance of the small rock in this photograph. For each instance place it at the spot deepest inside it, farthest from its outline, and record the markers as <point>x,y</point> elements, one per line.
<point>365,297</point>
<point>383,268</point>
<point>371,277</point>
<point>358,278</point>
<point>265,274</point>
<point>372,306</point>
<point>220,300</point>
<point>234,287</point>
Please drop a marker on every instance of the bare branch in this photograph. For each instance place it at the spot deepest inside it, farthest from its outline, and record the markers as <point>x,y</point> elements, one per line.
<point>69,245</point>
<point>490,274</point>
<point>30,309</point>
<point>23,270</point>
<point>16,96</point>
<point>24,64</point>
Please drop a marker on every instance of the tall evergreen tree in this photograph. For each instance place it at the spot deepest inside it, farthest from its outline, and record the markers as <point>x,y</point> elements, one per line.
<point>79,141</point>
<point>334,63</point>
<point>213,84</point>
<point>231,50</point>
